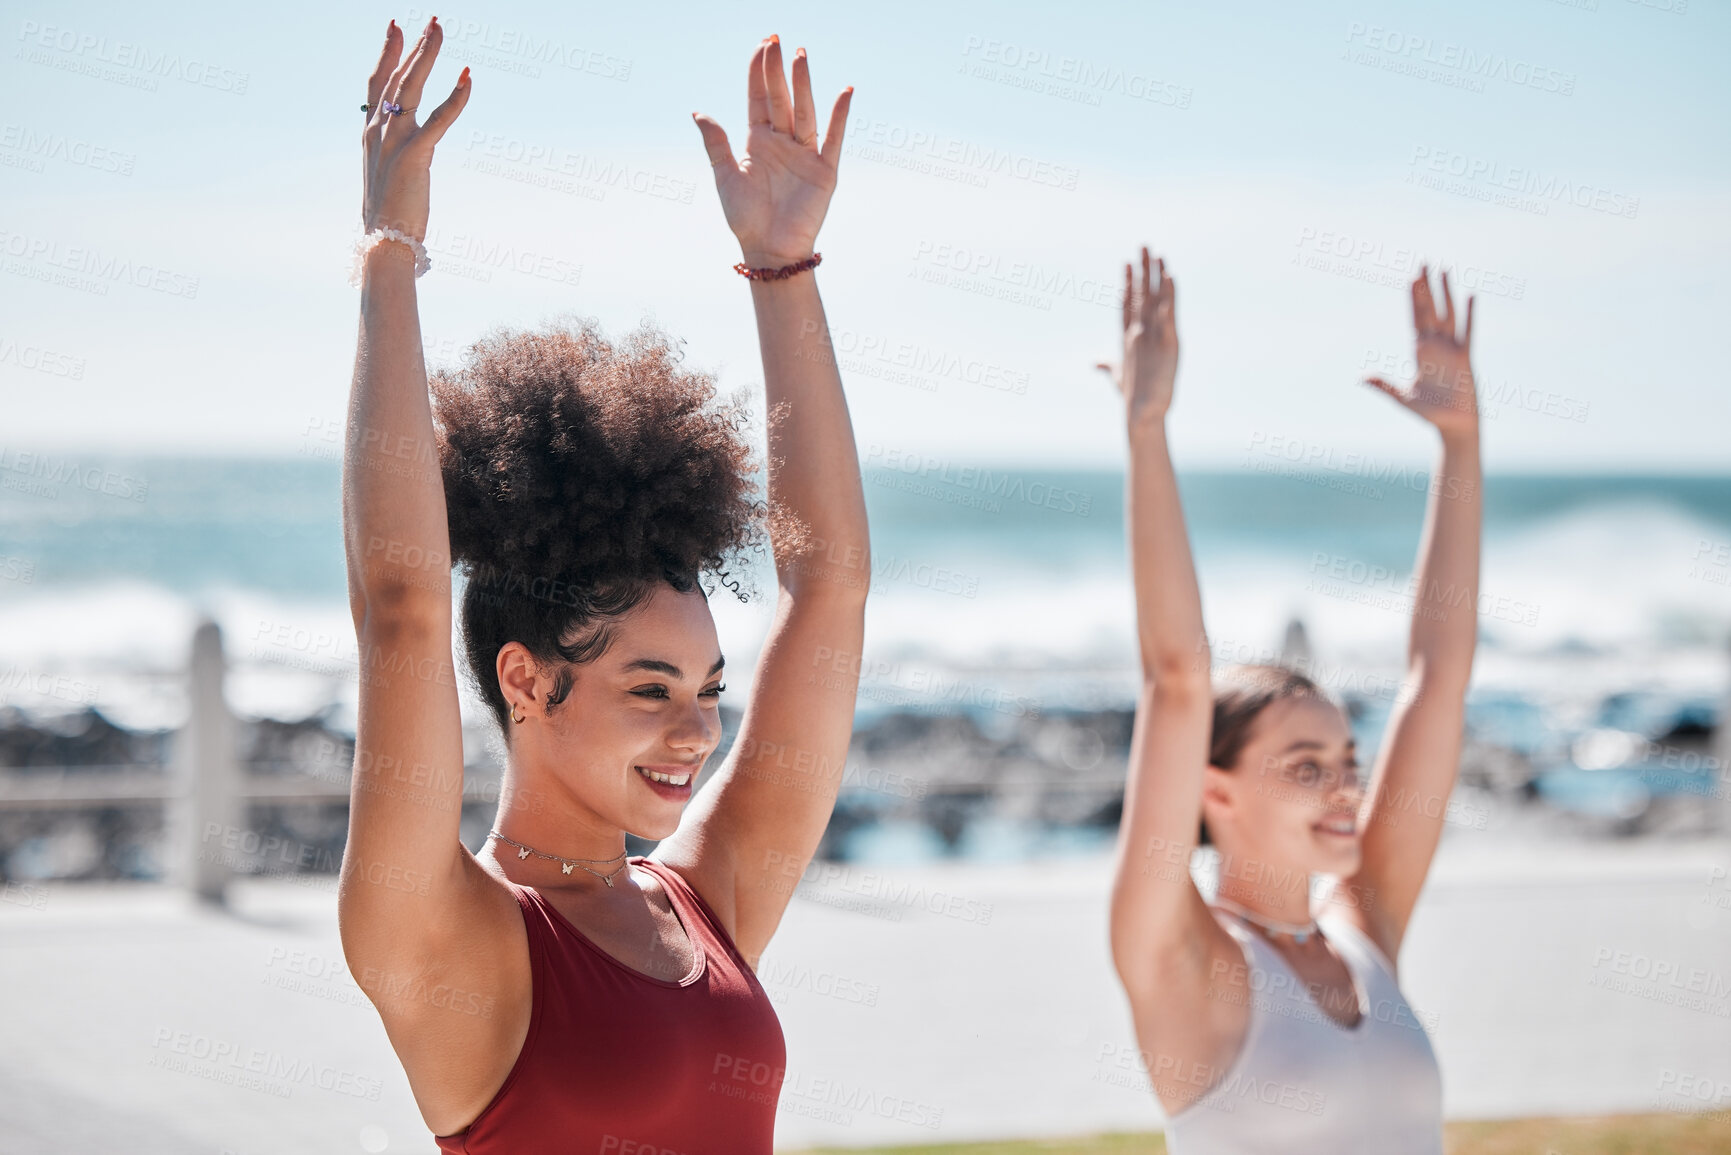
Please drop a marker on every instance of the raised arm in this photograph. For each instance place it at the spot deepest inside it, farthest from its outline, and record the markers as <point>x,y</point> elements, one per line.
<point>750,833</point>
<point>1419,760</point>
<point>402,869</point>
<point>1163,937</point>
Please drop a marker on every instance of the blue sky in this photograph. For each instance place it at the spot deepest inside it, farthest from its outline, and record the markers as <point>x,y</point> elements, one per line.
<point>179,191</point>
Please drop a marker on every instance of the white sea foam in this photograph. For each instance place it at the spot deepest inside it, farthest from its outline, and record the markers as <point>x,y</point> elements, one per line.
<point>1604,597</point>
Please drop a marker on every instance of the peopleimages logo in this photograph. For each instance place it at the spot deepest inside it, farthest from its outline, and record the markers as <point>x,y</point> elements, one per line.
<point>45,473</point>
<point>484,254</point>
<point>1022,282</point>
<point>1367,258</point>
<point>83,51</point>
<point>881,140</point>
<point>38,256</point>
<point>522,50</point>
<point>1391,48</point>
<point>996,486</point>
<point>40,359</point>
<point>38,145</point>
<point>189,1052</point>
<point>1495,176</point>
<point>884,356</point>
<point>1069,77</point>
<point>498,154</point>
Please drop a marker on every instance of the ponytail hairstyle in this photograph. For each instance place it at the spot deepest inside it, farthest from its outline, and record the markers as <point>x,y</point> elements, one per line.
<point>1241,694</point>
<point>579,475</point>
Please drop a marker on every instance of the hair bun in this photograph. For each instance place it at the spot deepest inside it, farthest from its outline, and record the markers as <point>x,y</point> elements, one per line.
<point>567,456</point>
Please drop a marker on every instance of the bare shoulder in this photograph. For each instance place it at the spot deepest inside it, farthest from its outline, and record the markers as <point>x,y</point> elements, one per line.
<point>458,1007</point>
<point>1193,1015</point>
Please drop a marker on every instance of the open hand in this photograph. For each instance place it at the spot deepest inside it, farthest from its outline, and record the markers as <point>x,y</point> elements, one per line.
<point>1150,343</point>
<point>775,197</point>
<point>1442,392</point>
<point>398,152</point>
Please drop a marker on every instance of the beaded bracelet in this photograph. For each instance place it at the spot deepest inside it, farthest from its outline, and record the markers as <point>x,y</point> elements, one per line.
<point>372,240</point>
<point>780,274</point>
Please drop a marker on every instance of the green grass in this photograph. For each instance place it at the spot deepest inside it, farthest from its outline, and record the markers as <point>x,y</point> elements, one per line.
<point>1708,1134</point>
<point>1089,1145</point>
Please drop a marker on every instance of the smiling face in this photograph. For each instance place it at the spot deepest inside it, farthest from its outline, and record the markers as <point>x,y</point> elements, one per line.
<point>626,743</point>
<point>1292,797</point>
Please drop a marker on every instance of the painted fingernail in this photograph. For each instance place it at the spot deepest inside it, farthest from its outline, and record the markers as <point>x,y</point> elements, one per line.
<point>463,79</point>
<point>774,38</point>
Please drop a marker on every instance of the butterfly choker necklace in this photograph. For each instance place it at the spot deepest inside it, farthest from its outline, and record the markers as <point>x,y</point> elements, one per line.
<point>567,864</point>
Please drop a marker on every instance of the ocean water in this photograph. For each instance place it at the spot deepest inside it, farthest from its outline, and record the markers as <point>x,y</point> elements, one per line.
<point>996,590</point>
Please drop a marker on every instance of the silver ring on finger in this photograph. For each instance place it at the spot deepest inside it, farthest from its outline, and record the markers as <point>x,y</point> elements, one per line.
<point>394,109</point>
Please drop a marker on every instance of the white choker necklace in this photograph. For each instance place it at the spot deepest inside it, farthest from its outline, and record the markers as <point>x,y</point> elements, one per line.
<point>1298,932</point>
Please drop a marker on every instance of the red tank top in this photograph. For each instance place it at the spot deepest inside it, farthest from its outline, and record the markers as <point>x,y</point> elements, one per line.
<point>619,1063</point>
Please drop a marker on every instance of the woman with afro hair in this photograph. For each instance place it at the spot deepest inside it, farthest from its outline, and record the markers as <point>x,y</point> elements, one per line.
<point>550,992</point>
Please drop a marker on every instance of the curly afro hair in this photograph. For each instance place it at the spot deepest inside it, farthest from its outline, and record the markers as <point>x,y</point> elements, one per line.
<point>578,474</point>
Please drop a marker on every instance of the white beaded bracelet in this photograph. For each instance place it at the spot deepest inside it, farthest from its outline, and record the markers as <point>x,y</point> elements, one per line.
<point>368,242</point>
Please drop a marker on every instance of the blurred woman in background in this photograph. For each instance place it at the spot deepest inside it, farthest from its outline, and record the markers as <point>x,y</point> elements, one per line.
<point>1270,1020</point>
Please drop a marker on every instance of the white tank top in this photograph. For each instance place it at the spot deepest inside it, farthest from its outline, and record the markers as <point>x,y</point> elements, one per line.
<point>1302,1084</point>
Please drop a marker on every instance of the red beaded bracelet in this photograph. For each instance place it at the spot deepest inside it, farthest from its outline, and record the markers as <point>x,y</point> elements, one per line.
<point>780,274</point>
